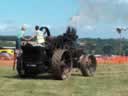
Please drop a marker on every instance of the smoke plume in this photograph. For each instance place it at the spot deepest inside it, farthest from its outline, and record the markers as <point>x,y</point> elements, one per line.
<point>94,14</point>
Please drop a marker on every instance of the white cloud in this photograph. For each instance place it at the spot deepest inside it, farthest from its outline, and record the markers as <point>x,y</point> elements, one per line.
<point>122,1</point>
<point>3,26</point>
<point>11,28</point>
<point>7,28</point>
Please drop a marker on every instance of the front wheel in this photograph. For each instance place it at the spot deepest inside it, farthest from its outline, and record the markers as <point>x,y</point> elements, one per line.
<point>88,65</point>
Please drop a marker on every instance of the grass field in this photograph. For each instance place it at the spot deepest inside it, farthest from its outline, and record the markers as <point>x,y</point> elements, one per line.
<point>109,80</point>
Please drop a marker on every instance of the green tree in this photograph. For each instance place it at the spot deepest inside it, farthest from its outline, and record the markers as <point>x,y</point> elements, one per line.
<point>107,49</point>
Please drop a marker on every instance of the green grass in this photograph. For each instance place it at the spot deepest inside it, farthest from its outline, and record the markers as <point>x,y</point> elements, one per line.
<point>109,80</point>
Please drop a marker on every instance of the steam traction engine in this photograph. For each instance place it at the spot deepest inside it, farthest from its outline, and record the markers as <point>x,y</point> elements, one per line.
<point>59,56</point>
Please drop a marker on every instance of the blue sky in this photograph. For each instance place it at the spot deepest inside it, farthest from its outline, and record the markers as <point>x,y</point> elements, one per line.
<point>53,13</point>
<point>38,11</point>
<point>92,18</point>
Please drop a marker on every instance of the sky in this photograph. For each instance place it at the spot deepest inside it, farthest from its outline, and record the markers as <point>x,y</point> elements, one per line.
<point>52,13</point>
<point>91,18</point>
<point>100,18</point>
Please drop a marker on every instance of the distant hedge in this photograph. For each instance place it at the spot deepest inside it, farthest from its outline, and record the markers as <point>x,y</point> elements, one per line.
<point>8,38</point>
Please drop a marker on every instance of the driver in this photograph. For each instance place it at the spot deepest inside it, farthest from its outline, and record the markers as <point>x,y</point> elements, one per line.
<point>39,36</point>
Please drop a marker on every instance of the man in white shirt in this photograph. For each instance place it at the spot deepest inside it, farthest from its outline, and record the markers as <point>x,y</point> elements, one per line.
<point>39,36</point>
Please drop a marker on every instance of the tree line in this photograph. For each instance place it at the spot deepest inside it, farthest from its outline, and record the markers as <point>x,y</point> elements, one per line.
<point>105,46</point>
<point>91,45</point>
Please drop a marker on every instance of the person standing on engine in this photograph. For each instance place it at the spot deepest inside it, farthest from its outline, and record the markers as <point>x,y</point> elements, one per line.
<point>20,36</point>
